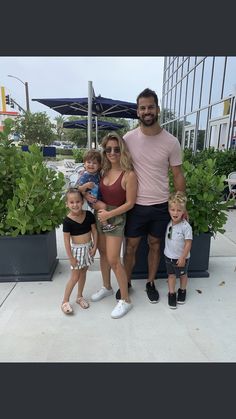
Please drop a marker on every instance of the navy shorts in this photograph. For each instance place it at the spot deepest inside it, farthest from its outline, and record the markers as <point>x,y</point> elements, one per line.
<point>142,220</point>
<point>173,269</point>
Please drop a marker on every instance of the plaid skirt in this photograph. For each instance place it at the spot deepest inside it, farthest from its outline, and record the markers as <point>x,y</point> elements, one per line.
<point>81,253</point>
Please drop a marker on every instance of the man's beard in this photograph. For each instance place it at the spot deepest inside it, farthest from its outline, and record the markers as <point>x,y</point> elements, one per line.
<point>150,122</point>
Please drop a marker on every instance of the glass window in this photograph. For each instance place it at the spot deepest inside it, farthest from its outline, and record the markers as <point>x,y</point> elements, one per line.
<point>177,100</point>
<point>233,136</point>
<point>190,131</point>
<point>180,124</point>
<point>179,73</point>
<point>163,102</point>
<point>183,96</point>
<point>175,129</point>
<point>230,77</point>
<point>167,85</point>
<point>173,100</point>
<point>164,89</point>
<point>170,104</point>
<point>189,95</point>
<point>206,83</point>
<point>167,101</point>
<point>185,66</point>
<point>191,119</point>
<point>202,130</point>
<point>175,64</point>
<point>199,59</point>
<point>217,83</point>
<point>175,77</point>
<point>192,61</point>
<point>217,110</point>
<point>197,86</point>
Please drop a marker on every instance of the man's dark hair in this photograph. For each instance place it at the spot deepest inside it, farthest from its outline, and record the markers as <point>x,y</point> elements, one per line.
<point>148,93</point>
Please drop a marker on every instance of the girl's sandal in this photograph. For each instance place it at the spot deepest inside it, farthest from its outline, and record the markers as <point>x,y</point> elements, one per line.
<point>66,308</point>
<point>82,302</point>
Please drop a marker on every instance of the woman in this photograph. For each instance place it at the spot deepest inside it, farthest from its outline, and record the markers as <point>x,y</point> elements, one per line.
<point>118,188</point>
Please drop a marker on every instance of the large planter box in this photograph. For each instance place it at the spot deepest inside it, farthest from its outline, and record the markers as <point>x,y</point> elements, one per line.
<point>198,265</point>
<point>28,257</point>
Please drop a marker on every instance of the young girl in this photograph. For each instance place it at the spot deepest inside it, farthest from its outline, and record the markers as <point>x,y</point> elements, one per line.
<point>178,242</point>
<point>80,239</point>
<point>118,187</point>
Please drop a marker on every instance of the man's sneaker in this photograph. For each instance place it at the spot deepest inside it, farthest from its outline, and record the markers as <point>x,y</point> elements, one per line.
<point>102,293</point>
<point>172,300</point>
<point>118,296</point>
<point>181,296</point>
<point>152,293</point>
<point>107,228</point>
<point>121,308</point>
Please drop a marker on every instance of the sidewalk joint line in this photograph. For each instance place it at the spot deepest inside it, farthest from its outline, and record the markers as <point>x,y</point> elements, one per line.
<point>8,294</point>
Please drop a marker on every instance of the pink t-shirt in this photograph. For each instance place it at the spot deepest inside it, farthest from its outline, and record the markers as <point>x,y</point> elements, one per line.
<point>152,156</point>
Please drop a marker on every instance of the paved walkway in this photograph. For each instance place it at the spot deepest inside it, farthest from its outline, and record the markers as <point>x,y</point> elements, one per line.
<point>33,328</point>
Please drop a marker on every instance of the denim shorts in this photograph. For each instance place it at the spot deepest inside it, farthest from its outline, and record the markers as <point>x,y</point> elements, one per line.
<point>173,269</point>
<point>151,219</point>
<point>118,221</point>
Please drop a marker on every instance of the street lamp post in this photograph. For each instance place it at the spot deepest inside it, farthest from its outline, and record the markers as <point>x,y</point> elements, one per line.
<point>26,91</point>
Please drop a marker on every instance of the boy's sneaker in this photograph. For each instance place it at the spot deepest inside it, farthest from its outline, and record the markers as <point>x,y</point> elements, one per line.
<point>152,292</point>
<point>172,300</point>
<point>181,296</point>
<point>107,228</point>
<point>118,296</point>
<point>102,293</point>
<point>121,308</point>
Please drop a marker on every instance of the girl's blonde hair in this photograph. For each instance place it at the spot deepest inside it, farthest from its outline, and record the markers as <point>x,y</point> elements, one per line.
<point>178,198</point>
<point>126,163</point>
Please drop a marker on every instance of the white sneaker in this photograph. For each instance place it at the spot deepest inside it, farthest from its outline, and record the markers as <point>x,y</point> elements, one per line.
<point>102,293</point>
<point>121,309</point>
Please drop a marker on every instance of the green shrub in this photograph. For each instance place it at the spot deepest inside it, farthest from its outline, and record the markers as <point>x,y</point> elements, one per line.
<point>225,160</point>
<point>79,154</point>
<point>32,199</point>
<point>204,188</point>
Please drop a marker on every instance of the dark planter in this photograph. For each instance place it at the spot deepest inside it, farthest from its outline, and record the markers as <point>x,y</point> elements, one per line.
<point>198,265</point>
<point>28,257</point>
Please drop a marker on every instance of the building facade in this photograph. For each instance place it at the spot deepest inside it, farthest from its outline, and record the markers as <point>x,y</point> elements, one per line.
<point>198,101</point>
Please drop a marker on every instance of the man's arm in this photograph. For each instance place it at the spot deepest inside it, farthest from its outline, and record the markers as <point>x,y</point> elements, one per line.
<point>178,178</point>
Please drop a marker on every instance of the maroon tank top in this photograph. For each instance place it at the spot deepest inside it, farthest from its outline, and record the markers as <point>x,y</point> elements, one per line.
<point>113,194</point>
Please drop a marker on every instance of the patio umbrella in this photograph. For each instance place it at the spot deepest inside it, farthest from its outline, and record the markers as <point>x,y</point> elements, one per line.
<point>101,106</point>
<point>92,106</point>
<point>101,125</point>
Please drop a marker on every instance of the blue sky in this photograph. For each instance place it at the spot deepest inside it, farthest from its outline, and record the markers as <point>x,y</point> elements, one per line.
<point>121,78</point>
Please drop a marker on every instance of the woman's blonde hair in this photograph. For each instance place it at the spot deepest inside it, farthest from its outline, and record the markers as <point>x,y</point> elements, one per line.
<point>178,198</point>
<point>126,163</point>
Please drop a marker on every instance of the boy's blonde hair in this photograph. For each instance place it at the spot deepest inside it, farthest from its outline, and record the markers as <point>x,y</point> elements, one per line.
<point>178,198</point>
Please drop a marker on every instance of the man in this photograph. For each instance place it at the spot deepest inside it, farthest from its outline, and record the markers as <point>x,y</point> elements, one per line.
<point>153,151</point>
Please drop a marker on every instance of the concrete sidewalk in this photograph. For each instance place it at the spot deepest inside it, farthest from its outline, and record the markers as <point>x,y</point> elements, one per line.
<point>34,329</point>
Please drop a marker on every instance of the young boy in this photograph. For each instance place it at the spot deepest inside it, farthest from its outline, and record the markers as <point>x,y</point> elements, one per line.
<point>89,181</point>
<point>178,242</point>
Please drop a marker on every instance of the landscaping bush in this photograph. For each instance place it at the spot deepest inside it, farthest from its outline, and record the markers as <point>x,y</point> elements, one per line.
<point>31,195</point>
<point>79,154</point>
